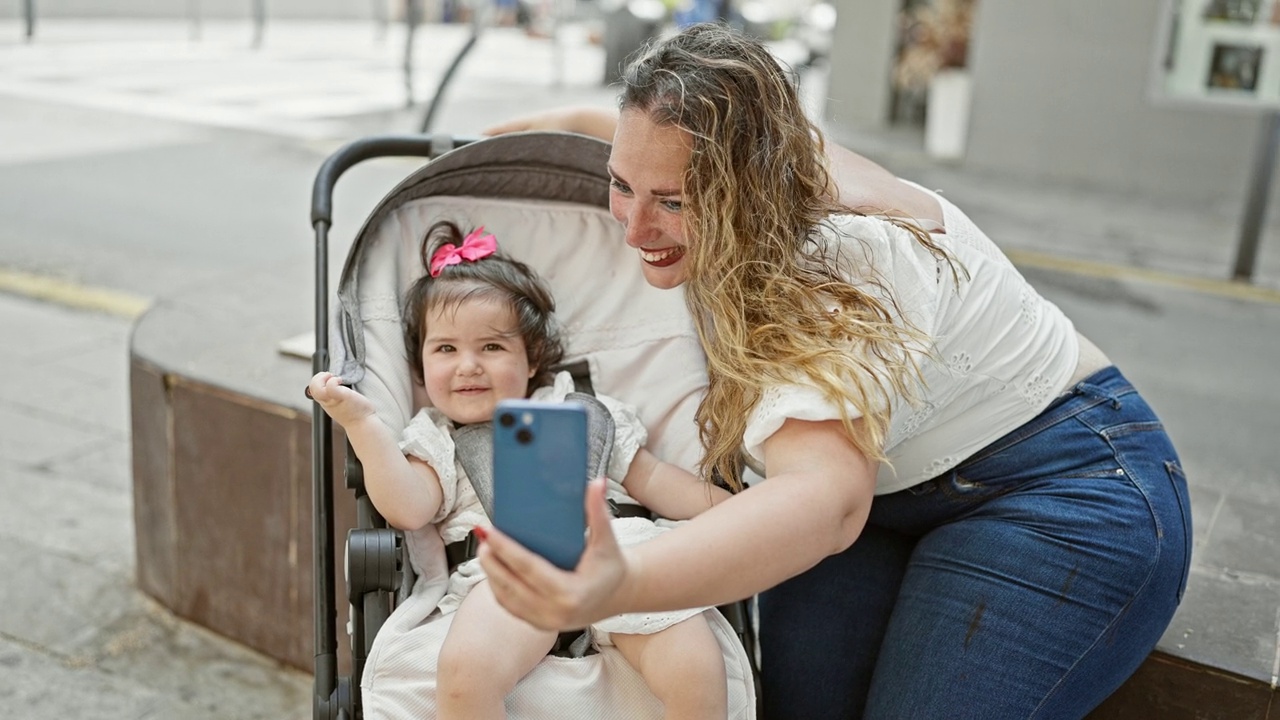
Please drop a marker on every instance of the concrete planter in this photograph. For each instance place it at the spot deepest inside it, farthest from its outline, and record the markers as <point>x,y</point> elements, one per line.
<point>946,122</point>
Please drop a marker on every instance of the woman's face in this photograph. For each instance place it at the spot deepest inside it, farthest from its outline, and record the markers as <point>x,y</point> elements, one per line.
<point>647,167</point>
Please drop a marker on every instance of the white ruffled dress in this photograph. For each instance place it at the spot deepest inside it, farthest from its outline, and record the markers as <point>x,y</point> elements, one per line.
<point>428,437</point>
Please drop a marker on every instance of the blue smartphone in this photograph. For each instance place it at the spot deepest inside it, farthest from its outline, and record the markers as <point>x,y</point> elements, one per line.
<point>540,477</point>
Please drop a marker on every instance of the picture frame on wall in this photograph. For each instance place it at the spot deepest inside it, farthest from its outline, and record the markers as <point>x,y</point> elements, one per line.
<point>1218,52</point>
<point>1237,11</point>
<point>1235,67</point>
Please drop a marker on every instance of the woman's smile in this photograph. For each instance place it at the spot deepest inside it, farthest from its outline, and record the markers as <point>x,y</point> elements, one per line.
<point>662,258</point>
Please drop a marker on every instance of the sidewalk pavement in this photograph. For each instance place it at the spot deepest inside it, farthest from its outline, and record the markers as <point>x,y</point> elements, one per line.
<point>319,81</point>
<point>76,638</point>
<point>327,82</point>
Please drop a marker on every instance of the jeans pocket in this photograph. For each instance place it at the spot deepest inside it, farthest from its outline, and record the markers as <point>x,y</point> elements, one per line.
<point>1178,478</point>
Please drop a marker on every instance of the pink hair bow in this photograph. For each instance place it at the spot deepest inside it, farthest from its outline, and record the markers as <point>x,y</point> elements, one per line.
<point>475,245</point>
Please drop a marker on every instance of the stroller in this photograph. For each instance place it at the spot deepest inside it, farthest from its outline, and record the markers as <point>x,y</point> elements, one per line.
<point>545,195</point>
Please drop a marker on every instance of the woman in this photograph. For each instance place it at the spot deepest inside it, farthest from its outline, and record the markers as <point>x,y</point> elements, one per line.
<point>966,512</point>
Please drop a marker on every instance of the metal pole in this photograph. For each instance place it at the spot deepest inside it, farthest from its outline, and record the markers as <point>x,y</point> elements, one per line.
<point>380,18</point>
<point>428,118</point>
<point>1255,207</point>
<point>29,13</point>
<point>412,16</point>
<point>193,13</point>
<point>259,22</point>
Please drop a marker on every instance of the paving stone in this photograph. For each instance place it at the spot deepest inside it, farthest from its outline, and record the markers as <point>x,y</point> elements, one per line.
<point>35,437</point>
<point>54,599</point>
<point>37,686</point>
<point>80,399</point>
<point>107,463</point>
<point>1228,621</point>
<point>90,522</point>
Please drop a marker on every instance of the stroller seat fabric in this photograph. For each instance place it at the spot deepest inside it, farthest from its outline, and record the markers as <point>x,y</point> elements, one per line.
<point>473,445</point>
<point>544,198</point>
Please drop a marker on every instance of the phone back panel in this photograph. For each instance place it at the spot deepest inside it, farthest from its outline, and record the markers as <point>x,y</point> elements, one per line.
<point>540,477</point>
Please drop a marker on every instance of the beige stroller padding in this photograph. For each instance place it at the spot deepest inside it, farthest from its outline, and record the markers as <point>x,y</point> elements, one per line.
<point>399,677</point>
<point>639,344</point>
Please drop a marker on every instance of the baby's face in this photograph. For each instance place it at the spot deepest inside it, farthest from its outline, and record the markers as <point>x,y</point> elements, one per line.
<point>472,357</point>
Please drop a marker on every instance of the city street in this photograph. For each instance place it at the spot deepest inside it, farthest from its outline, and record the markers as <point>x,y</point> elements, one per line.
<point>137,165</point>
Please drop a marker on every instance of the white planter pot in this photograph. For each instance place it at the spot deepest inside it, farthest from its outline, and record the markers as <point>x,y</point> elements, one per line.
<point>946,120</point>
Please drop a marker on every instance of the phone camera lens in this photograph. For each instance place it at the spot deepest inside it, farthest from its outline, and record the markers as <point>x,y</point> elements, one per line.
<point>524,436</point>
<point>506,419</point>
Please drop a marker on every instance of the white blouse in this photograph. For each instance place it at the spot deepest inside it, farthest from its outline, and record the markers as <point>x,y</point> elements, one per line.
<point>999,350</point>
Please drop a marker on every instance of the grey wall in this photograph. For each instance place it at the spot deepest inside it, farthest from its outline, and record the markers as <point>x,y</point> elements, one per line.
<point>1061,91</point>
<point>861,58</point>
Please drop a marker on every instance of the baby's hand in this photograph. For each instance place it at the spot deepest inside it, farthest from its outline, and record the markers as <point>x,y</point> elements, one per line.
<point>344,405</point>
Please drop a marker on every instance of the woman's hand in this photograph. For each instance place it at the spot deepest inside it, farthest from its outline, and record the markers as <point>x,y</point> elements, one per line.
<point>596,122</point>
<point>549,598</point>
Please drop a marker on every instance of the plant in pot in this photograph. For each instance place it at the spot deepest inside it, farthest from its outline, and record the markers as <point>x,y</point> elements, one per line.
<point>931,64</point>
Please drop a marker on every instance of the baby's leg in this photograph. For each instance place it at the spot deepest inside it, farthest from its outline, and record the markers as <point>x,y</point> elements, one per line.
<point>487,651</point>
<point>683,666</point>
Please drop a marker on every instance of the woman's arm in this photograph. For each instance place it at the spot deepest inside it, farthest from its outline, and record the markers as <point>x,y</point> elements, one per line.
<point>861,184</point>
<point>596,122</point>
<point>405,490</point>
<point>814,503</point>
<point>669,491</point>
<point>864,186</point>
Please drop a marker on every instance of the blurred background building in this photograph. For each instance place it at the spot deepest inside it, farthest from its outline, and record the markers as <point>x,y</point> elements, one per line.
<point>1059,91</point>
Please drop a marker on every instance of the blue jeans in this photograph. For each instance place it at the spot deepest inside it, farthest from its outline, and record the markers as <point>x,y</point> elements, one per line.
<point>1029,582</point>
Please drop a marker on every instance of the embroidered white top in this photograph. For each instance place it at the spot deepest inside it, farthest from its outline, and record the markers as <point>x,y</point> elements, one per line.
<point>1000,351</point>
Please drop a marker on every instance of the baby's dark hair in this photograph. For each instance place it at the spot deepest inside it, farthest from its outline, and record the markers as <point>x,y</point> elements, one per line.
<point>496,276</point>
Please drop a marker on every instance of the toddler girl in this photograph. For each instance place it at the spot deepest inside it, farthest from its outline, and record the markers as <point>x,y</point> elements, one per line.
<point>479,328</point>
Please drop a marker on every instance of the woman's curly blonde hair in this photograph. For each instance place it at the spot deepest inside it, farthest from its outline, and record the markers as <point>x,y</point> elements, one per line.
<point>769,299</point>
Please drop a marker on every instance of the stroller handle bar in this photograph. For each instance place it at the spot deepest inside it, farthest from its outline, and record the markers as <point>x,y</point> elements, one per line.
<point>357,151</point>
<point>334,695</point>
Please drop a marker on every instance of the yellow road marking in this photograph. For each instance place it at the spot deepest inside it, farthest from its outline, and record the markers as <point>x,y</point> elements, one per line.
<point>127,305</point>
<point>1208,286</point>
<point>72,294</point>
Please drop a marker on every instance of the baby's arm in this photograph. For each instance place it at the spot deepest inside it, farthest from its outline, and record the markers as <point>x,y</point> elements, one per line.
<point>404,489</point>
<point>669,491</point>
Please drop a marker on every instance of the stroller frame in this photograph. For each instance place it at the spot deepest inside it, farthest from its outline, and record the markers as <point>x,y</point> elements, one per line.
<point>375,549</point>
<point>377,572</point>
